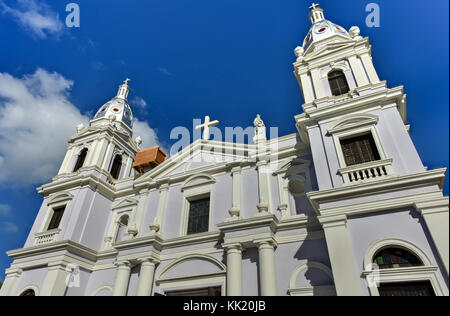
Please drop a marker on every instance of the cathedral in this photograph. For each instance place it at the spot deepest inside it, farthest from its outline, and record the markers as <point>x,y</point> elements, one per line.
<point>343,207</point>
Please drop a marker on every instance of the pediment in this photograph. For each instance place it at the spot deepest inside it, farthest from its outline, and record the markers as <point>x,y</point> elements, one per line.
<point>126,202</point>
<point>60,197</point>
<point>199,157</point>
<point>192,265</point>
<point>353,121</point>
<point>198,180</point>
<point>327,48</point>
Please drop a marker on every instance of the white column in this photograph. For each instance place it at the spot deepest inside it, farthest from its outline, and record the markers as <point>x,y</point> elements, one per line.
<point>159,219</point>
<point>97,158</point>
<point>56,280</point>
<point>265,199</point>
<point>370,69</point>
<point>234,270</point>
<point>318,88</point>
<point>307,89</point>
<point>435,214</point>
<point>146,276</point>
<point>66,161</point>
<point>129,166</point>
<point>122,278</point>
<point>345,274</point>
<point>235,210</point>
<point>267,271</point>
<point>358,71</point>
<point>108,156</point>
<point>12,276</point>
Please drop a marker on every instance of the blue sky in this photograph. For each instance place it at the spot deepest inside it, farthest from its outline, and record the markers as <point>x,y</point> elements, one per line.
<point>229,59</point>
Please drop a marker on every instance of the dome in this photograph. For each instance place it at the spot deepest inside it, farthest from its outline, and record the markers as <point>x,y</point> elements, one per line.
<point>321,28</point>
<point>118,107</point>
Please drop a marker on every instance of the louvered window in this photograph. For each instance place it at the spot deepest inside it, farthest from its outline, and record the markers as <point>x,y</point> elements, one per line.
<point>338,83</point>
<point>360,149</point>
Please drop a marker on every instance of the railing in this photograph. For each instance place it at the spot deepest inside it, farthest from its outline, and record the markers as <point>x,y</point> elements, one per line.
<point>46,237</point>
<point>373,170</point>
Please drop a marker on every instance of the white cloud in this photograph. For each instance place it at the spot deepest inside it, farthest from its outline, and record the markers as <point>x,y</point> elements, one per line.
<point>5,210</point>
<point>8,227</point>
<point>138,101</point>
<point>36,119</point>
<point>148,135</point>
<point>36,17</point>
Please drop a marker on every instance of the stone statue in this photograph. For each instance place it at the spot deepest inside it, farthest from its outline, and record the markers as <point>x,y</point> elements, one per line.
<point>260,129</point>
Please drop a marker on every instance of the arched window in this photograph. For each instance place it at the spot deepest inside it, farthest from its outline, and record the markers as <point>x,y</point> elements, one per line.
<point>338,83</point>
<point>80,160</point>
<point>29,292</point>
<point>396,258</point>
<point>122,229</point>
<point>116,166</point>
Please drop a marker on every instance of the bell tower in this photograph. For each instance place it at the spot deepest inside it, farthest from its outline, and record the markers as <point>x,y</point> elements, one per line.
<point>364,158</point>
<point>105,146</point>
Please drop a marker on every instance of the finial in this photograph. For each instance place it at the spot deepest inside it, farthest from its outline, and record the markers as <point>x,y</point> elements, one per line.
<point>313,6</point>
<point>126,81</point>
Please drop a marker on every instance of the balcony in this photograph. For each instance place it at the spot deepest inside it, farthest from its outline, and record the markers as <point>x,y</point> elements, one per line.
<point>46,237</point>
<point>370,171</point>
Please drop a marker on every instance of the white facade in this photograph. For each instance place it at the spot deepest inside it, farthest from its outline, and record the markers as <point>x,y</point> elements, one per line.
<point>287,216</point>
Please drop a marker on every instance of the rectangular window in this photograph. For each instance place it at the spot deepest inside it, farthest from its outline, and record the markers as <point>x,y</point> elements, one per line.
<point>358,150</point>
<point>56,218</point>
<point>198,216</point>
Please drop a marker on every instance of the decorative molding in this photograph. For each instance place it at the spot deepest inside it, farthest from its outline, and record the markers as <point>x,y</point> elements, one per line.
<point>60,197</point>
<point>33,287</point>
<point>103,287</point>
<point>353,121</point>
<point>393,242</point>
<point>221,267</point>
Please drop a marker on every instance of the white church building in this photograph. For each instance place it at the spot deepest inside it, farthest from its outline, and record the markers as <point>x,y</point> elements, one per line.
<point>342,207</point>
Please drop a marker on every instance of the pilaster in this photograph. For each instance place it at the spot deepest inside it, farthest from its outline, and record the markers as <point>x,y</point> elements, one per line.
<point>345,272</point>
<point>55,283</point>
<point>435,213</point>
<point>9,285</point>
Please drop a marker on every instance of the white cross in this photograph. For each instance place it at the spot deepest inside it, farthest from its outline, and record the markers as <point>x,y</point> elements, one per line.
<point>313,6</point>
<point>127,80</point>
<point>206,127</point>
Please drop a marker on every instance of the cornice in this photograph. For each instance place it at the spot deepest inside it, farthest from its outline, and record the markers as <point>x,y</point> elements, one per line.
<point>66,245</point>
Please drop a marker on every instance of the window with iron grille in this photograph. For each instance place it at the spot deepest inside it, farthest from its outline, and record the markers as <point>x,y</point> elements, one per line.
<point>360,149</point>
<point>198,216</point>
<point>56,218</point>
<point>338,83</point>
